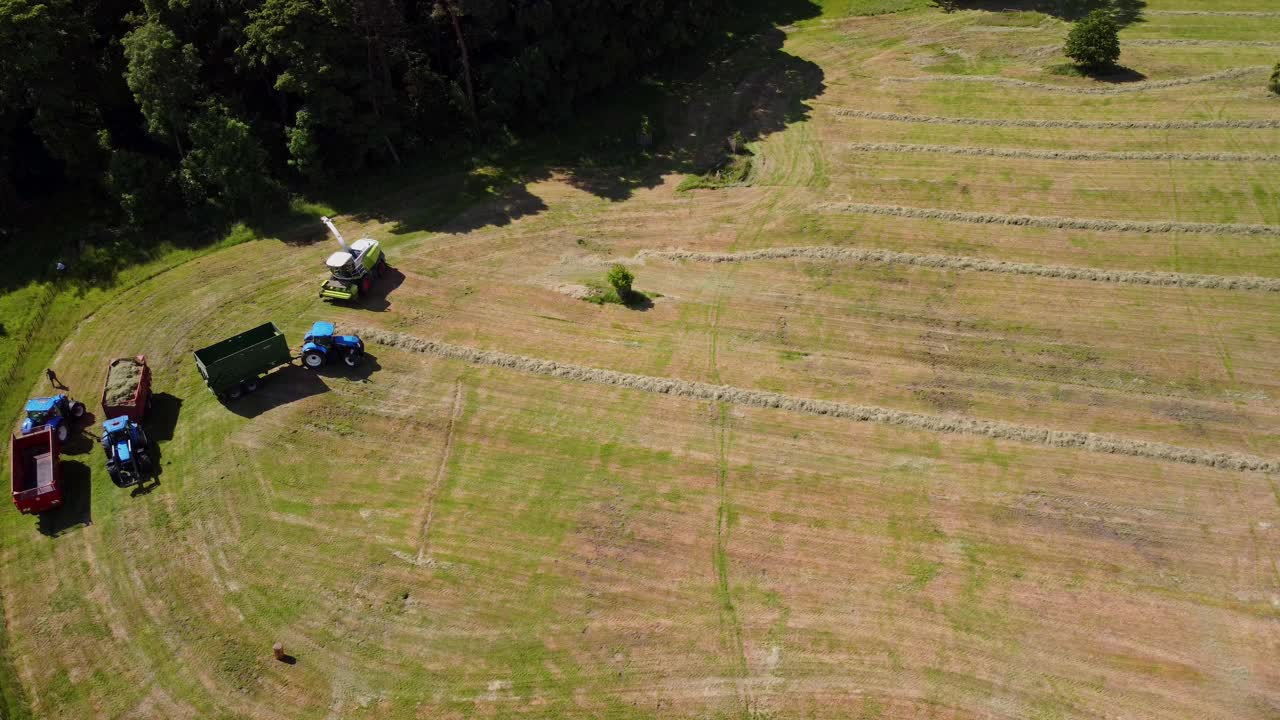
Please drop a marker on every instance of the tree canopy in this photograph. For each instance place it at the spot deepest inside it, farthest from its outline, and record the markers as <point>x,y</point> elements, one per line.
<point>165,106</point>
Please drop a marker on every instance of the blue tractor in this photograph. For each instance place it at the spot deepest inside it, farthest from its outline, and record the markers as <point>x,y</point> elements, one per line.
<point>321,346</point>
<point>128,451</point>
<point>56,413</point>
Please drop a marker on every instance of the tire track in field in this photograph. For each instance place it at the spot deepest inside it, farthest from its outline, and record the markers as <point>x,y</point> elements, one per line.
<point>424,536</point>
<point>1064,124</point>
<point>946,424</point>
<point>1090,90</point>
<point>1049,221</point>
<point>975,264</point>
<point>1000,152</point>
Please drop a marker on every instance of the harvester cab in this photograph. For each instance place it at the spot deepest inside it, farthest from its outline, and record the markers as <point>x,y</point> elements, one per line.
<point>55,413</point>
<point>321,345</point>
<point>128,451</point>
<point>352,269</point>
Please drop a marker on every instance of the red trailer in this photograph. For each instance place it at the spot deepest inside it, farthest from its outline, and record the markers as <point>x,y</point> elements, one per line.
<point>35,472</point>
<point>127,390</point>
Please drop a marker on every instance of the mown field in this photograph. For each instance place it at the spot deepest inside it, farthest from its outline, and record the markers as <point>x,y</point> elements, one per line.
<point>434,537</point>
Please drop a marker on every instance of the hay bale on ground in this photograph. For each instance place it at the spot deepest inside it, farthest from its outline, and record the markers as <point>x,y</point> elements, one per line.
<point>122,381</point>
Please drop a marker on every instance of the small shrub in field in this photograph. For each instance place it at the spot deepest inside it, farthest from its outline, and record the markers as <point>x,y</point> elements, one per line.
<point>620,279</point>
<point>737,142</point>
<point>1094,42</point>
<point>1274,84</point>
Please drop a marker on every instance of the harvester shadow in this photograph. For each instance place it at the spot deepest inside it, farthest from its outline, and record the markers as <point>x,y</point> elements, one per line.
<point>163,418</point>
<point>76,509</point>
<point>289,384</point>
<point>377,300</point>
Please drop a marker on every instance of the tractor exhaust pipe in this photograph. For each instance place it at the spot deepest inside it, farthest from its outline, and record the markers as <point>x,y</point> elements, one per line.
<point>334,229</point>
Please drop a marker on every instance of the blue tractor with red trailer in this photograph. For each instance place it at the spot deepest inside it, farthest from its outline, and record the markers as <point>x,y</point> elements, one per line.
<point>322,345</point>
<point>56,413</point>
<point>128,451</point>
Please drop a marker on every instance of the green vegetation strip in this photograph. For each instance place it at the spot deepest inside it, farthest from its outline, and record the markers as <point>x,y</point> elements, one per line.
<point>973,264</point>
<point>1065,223</point>
<point>1071,124</point>
<point>1091,89</point>
<point>1061,154</point>
<point>1092,442</point>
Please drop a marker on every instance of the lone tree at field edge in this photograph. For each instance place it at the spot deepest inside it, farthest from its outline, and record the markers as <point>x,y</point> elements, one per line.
<point>621,278</point>
<point>1094,42</point>
<point>1274,84</point>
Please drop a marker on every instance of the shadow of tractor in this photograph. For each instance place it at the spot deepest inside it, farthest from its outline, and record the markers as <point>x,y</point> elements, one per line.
<point>287,385</point>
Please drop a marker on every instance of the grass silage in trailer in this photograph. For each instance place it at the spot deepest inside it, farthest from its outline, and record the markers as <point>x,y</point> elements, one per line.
<point>948,425</point>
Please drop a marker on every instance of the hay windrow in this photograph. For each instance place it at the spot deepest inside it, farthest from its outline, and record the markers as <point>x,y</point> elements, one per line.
<point>1065,124</point>
<point>1087,90</point>
<point>1158,42</point>
<point>1218,13</point>
<point>974,264</point>
<point>1135,226</point>
<point>1060,154</point>
<point>122,381</point>
<point>1093,442</point>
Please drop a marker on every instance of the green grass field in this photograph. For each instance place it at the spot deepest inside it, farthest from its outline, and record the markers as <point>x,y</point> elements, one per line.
<point>431,537</point>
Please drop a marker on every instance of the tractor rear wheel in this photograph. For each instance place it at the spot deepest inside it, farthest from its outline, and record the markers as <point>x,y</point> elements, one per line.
<point>63,433</point>
<point>234,392</point>
<point>77,410</point>
<point>312,359</point>
<point>353,358</point>
<point>252,385</point>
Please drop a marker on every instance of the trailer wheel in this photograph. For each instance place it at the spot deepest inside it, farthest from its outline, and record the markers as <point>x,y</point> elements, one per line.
<point>252,385</point>
<point>353,358</point>
<point>312,359</point>
<point>234,392</point>
<point>77,410</point>
<point>63,433</point>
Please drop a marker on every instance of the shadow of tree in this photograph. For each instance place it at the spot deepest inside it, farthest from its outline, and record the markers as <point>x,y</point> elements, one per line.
<point>740,81</point>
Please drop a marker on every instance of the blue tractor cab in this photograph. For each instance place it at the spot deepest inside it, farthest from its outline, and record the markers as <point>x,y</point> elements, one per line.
<point>321,345</point>
<point>128,451</point>
<point>55,413</point>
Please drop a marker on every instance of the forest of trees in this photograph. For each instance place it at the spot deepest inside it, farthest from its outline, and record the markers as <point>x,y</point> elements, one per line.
<point>149,108</point>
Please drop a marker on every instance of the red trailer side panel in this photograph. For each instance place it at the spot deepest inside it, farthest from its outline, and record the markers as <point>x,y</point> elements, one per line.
<point>35,472</point>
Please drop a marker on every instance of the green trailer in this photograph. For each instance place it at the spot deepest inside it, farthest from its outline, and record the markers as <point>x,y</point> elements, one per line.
<point>237,365</point>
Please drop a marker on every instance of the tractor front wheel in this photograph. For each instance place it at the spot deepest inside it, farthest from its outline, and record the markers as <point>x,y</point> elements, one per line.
<point>313,359</point>
<point>114,472</point>
<point>77,410</point>
<point>353,358</point>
